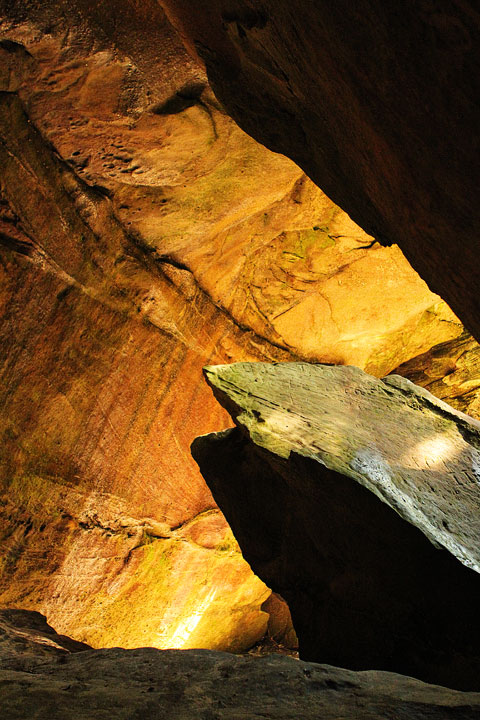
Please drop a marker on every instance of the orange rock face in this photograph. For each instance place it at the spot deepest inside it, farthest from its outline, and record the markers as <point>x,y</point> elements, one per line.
<point>264,242</point>
<point>451,371</point>
<point>107,525</point>
<point>142,236</point>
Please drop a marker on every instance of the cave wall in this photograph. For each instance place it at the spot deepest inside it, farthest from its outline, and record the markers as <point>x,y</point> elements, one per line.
<point>106,524</point>
<point>142,236</point>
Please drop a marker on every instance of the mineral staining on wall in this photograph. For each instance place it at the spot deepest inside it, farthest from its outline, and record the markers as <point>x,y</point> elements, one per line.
<point>107,525</point>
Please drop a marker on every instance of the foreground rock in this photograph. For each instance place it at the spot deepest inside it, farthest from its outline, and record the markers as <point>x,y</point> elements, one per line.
<point>358,501</point>
<point>53,684</point>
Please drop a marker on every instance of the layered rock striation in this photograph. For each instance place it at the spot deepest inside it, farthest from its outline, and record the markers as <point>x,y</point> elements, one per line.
<point>106,524</point>
<point>357,500</point>
<point>450,371</point>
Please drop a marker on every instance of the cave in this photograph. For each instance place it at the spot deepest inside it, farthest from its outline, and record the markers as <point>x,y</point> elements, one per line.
<point>240,371</point>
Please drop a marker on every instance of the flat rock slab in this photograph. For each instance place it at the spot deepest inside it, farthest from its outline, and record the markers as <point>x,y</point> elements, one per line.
<point>209,685</point>
<point>357,500</point>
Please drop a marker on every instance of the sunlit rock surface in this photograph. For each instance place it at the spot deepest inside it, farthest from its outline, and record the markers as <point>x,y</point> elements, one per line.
<point>357,500</point>
<point>41,679</point>
<point>143,235</point>
<point>377,102</point>
<point>107,526</point>
<point>451,371</point>
<point>264,242</point>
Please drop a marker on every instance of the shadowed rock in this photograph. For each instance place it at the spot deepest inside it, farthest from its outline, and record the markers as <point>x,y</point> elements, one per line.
<point>355,499</point>
<point>181,685</point>
<point>26,634</point>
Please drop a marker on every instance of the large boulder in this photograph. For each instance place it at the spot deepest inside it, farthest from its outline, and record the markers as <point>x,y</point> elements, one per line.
<point>358,501</point>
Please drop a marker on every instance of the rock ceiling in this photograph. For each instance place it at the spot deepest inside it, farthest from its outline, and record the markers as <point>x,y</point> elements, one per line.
<point>377,102</point>
<point>144,235</point>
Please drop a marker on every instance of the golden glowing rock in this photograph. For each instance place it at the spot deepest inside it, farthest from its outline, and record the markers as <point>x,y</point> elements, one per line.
<point>144,235</point>
<point>107,525</point>
<point>265,243</point>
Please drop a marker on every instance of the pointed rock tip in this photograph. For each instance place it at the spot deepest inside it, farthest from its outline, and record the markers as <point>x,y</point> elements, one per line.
<point>214,373</point>
<point>209,370</point>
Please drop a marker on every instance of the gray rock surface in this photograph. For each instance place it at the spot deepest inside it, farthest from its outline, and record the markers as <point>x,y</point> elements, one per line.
<point>191,684</point>
<point>415,452</point>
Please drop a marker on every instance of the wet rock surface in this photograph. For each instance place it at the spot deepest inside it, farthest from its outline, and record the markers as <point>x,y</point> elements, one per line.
<point>50,684</point>
<point>357,500</point>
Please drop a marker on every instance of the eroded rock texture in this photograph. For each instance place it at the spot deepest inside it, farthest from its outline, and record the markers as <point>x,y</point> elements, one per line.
<point>143,235</point>
<point>358,501</point>
<point>39,678</point>
<point>376,101</point>
<point>107,527</point>
<point>264,242</point>
<point>451,371</point>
